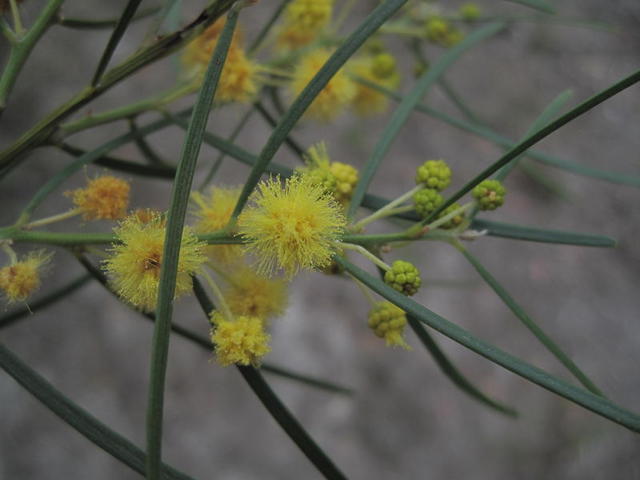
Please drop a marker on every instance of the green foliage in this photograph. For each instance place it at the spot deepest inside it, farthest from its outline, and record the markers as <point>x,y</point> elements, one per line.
<point>359,72</point>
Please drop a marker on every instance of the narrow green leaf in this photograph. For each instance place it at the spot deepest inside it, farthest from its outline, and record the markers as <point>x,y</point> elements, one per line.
<point>457,100</point>
<point>121,165</point>
<point>408,103</point>
<point>173,238</point>
<point>450,370</point>
<point>541,5</point>
<point>528,322</point>
<point>118,32</point>
<point>370,24</point>
<point>306,379</point>
<point>275,407</point>
<point>42,303</point>
<point>92,24</point>
<point>536,137</point>
<point>491,135</point>
<point>545,117</point>
<point>588,400</point>
<point>79,419</point>
<point>271,120</point>
<point>533,234</point>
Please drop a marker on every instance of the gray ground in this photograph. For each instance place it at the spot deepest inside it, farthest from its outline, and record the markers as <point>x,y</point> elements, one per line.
<point>406,419</point>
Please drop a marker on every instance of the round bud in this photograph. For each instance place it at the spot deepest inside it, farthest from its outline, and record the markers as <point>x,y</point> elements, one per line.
<point>403,277</point>
<point>489,194</point>
<point>426,201</point>
<point>434,174</point>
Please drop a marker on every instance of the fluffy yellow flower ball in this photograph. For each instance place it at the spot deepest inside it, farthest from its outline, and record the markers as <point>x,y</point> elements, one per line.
<point>135,261</point>
<point>104,197</point>
<point>292,227</point>
<point>20,279</point>
<point>249,294</point>
<point>241,341</point>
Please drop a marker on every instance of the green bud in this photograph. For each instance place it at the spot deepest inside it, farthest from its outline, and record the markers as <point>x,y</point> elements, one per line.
<point>434,174</point>
<point>426,201</point>
<point>403,277</point>
<point>489,194</point>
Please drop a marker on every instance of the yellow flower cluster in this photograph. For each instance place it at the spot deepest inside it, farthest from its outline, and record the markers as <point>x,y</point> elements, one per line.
<point>252,295</point>
<point>136,258</point>
<point>242,341</point>
<point>239,77</point>
<point>21,279</point>
<point>104,197</point>
<point>291,227</point>
<point>303,21</point>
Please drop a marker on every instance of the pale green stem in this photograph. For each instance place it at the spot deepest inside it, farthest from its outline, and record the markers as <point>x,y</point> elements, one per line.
<point>17,21</point>
<point>365,253</point>
<point>6,247</point>
<point>129,111</point>
<point>398,30</point>
<point>7,32</point>
<point>458,211</point>
<point>54,218</point>
<point>388,208</point>
<point>221,303</point>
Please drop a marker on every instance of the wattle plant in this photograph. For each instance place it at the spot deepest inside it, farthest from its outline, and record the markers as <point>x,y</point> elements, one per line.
<point>236,250</point>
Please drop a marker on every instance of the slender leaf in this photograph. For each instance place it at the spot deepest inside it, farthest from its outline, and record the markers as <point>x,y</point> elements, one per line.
<point>173,238</point>
<point>79,419</point>
<point>536,137</point>
<point>291,143</point>
<point>42,303</point>
<point>91,24</point>
<point>402,113</point>
<point>528,322</point>
<point>117,34</point>
<point>276,408</point>
<point>370,24</point>
<point>149,153</point>
<point>533,234</point>
<point>541,5</point>
<point>491,135</point>
<point>450,370</point>
<point>122,165</point>
<point>545,117</point>
<point>588,400</point>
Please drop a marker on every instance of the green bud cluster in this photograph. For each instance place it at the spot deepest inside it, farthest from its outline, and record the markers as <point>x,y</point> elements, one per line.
<point>403,277</point>
<point>454,221</point>
<point>469,12</point>
<point>388,321</point>
<point>489,194</point>
<point>323,177</point>
<point>441,32</point>
<point>426,201</point>
<point>383,65</point>
<point>434,174</point>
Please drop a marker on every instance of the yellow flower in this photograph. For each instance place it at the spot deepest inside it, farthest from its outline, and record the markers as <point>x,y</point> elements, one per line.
<point>104,197</point>
<point>136,259</point>
<point>19,280</point>
<point>242,341</point>
<point>379,69</point>
<point>388,321</point>
<point>239,77</point>
<point>291,228</point>
<point>303,21</point>
<point>214,212</point>
<point>334,97</point>
<point>252,295</point>
<point>309,14</point>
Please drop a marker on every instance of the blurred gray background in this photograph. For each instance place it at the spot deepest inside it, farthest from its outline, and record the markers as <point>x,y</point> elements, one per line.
<point>406,419</point>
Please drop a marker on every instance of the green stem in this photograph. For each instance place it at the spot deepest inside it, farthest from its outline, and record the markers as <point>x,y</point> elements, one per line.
<point>20,51</point>
<point>10,252</point>
<point>163,46</point>
<point>128,111</point>
<point>8,32</point>
<point>387,210</point>
<point>17,20</point>
<point>458,211</point>
<point>365,253</point>
<point>53,219</point>
<point>90,24</point>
